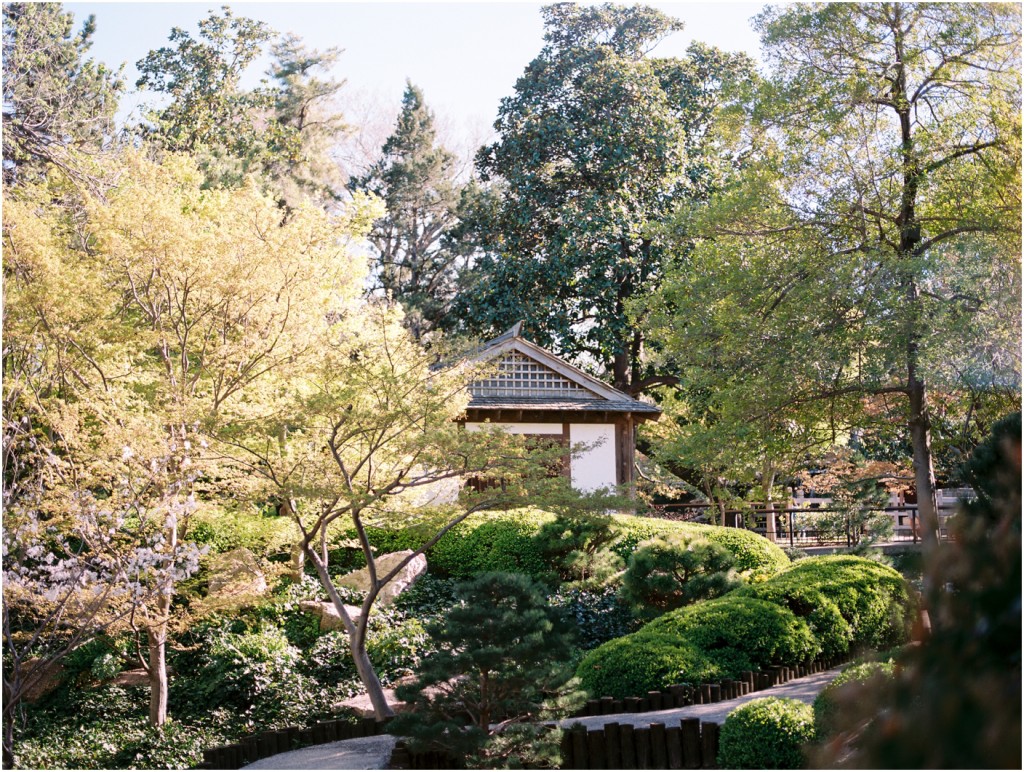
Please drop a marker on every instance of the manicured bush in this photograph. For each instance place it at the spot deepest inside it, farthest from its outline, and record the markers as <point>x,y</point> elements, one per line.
<point>756,557</point>
<point>873,599</point>
<point>768,733</point>
<point>809,603</point>
<point>505,541</point>
<point>636,664</point>
<point>674,571</point>
<point>733,625</point>
<point>825,706</point>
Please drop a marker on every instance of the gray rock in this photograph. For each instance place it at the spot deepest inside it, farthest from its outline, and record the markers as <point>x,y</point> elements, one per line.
<point>329,617</point>
<point>360,580</point>
<point>237,573</point>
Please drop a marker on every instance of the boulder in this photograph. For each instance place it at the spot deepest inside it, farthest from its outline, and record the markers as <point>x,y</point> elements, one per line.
<point>42,676</point>
<point>329,617</point>
<point>237,573</point>
<point>360,580</point>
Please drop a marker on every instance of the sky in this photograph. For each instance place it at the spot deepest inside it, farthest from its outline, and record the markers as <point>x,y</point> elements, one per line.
<point>465,56</point>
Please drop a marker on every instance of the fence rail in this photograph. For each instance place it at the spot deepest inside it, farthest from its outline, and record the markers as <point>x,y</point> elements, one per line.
<point>819,527</point>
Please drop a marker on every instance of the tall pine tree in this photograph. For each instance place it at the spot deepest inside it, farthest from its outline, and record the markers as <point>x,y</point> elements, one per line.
<point>417,262</point>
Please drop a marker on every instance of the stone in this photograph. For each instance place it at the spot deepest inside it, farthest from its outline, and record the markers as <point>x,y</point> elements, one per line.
<point>237,573</point>
<point>360,580</point>
<point>329,617</point>
<point>45,677</point>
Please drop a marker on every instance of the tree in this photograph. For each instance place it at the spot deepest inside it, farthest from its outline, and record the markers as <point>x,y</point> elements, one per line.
<point>304,109</point>
<point>54,98</point>
<point>874,231</point>
<point>209,113</point>
<point>594,147</point>
<point>134,320</point>
<point>669,573</point>
<point>368,435</point>
<point>416,262</point>
<point>502,659</point>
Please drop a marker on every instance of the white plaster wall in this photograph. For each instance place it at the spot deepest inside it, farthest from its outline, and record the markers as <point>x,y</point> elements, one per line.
<point>516,428</point>
<point>594,468</point>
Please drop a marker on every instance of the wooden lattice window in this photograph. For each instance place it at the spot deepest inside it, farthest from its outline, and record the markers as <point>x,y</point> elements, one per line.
<point>520,376</point>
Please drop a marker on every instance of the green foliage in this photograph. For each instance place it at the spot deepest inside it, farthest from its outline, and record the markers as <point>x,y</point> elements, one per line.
<point>826,708</point>
<point>578,547</point>
<point>600,614</point>
<point>766,733</point>
<point>416,261</point>
<point>808,602</point>
<point>963,681</point>
<point>592,148</point>
<point>873,599</point>
<point>668,573</point>
<point>635,664</point>
<point>756,557</point>
<point>763,632</point>
<point>106,666</point>
<point>501,655</point>
<point>54,97</point>
<point>227,528</point>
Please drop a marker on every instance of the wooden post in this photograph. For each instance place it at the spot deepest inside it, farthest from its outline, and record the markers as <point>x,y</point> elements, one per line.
<point>607,706</point>
<point>659,749</point>
<point>654,700</point>
<point>628,746</point>
<point>613,745</point>
<point>580,758</point>
<point>674,747</point>
<point>642,741</point>
<point>596,749</point>
<point>565,745</point>
<point>709,745</point>
<point>689,728</point>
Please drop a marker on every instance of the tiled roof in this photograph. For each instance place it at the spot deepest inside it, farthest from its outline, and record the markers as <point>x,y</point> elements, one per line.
<point>542,403</point>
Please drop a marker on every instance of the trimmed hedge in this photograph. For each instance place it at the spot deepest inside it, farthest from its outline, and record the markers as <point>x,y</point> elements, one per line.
<point>871,598</point>
<point>768,733</point>
<point>762,632</point>
<point>826,708</point>
<point>505,541</point>
<point>641,662</point>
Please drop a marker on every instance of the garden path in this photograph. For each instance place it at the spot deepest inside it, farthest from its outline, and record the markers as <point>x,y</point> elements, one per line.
<point>375,752</point>
<point>804,689</point>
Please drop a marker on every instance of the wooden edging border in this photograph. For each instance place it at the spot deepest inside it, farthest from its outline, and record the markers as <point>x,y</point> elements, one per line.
<point>693,744</point>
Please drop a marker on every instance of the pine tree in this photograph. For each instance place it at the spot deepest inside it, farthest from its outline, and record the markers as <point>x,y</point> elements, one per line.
<point>417,262</point>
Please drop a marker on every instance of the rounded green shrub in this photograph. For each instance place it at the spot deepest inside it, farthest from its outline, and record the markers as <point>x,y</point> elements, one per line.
<point>756,557</point>
<point>826,707</point>
<point>807,602</point>
<point>635,664</point>
<point>764,633</point>
<point>506,541</point>
<point>768,733</point>
<point>872,598</point>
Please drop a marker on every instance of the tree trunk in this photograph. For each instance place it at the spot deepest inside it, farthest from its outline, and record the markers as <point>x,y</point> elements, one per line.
<point>368,675</point>
<point>924,474</point>
<point>157,635</point>
<point>767,483</point>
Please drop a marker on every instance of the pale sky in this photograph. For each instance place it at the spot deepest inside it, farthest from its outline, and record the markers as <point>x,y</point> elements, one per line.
<point>465,56</point>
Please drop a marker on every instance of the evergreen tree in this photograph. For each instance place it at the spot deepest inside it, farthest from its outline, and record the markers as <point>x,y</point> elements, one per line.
<point>502,657</point>
<point>596,143</point>
<point>417,262</point>
<point>304,109</point>
<point>54,98</point>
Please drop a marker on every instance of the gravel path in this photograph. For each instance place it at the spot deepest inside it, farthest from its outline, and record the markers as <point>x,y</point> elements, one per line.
<point>804,689</point>
<point>375,752</point>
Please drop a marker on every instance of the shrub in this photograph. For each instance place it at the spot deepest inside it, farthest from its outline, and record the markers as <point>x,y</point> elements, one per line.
<point>600,614</point>
<point>674,571</point>
<point>756,557</point>
<point>734,626</point>
<point>826,708</point>
<point>577,547</point>
<point>638,663</point>
<point>807,602</point>
<point>872,598</point>
<point>766,734</point>
<point>505,541</point>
